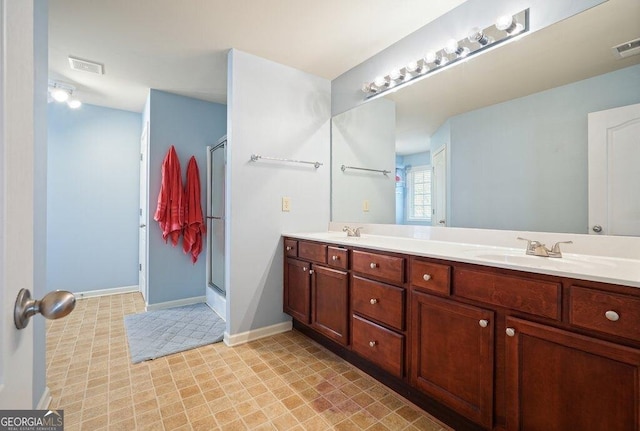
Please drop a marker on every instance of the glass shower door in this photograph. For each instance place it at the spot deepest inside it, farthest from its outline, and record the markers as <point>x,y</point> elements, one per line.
<point>216,168</point>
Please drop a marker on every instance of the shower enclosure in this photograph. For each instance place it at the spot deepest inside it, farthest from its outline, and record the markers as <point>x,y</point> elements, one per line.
<point>216,167</point>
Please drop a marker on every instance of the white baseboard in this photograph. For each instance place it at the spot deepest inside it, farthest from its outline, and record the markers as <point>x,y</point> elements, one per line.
<point>45,399</point>
<point>176,303</point>
<point>256,334</point>
<point>106,292</point>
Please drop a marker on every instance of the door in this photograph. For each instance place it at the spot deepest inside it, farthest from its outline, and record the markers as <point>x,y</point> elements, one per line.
<point>297,290</point>
<point>557,381</point>
<point>144,208</point>
<point>452,355</point>
<point>16,198</point>
<point>439,184</point>
<point>330,303</point>
<point>614,171</point>
<point>216,172</point>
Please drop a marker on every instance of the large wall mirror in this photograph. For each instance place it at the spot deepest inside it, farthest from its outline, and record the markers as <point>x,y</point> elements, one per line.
<point>501,141</point>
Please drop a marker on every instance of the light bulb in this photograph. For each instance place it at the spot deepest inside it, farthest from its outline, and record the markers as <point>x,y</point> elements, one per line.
<point>476,35</point>
<point>396,75</point>
<point>451,47</point>
<point>508,24</point>
<point>380,81</point>
<point>60,95</point>
<point>432,57</point>
<point>412,67</point>
<point>74,103</point>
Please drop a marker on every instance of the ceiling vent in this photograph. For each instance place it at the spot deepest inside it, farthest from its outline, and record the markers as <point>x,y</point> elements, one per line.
<point>86,66</point>
<point>627,49</point>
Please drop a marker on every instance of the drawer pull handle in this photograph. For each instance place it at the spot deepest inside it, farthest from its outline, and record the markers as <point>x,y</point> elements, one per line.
<point>426,277</point>
<point>334,258</point>
<point>510,332</point>
<point>612,315</point>
<point>373,301</point>
<point>289,248</point>
<point>304,268</point>
<point>483,323</point>
<point>373,265</point>
<point>311,271</point>
<point>372,343</point>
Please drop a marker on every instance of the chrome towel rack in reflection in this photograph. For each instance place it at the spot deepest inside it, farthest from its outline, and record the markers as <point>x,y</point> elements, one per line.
<point>256,157</point>
<point>382,171</point>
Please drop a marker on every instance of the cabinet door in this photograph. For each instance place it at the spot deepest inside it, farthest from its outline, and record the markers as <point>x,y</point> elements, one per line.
<point>297,290</point>
<point>558,381</point>
<point>452,355</point>
<point>330,303</point>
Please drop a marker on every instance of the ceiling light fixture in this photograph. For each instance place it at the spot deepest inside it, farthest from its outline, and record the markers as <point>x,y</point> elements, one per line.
<point>506,27</point>
<point>61,92</point>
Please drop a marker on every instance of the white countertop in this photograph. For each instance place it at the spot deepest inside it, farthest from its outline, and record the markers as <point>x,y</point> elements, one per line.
<point>580,266</point>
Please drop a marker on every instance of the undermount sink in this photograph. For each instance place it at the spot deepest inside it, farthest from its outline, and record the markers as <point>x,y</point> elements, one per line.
<point>567,262</point>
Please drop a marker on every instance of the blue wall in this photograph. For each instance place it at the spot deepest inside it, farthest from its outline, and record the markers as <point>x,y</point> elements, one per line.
<point>189,125</point>
<point>92,208</point>
<point>531,174</point>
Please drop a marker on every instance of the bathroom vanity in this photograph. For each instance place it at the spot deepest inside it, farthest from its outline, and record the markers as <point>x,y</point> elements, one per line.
<point>481,337</point>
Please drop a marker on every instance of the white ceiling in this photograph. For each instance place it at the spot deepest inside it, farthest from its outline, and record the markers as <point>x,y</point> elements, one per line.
<point>180,46</point>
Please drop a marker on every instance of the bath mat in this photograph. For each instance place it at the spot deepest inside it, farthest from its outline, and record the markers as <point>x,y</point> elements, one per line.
<point>162,332</point>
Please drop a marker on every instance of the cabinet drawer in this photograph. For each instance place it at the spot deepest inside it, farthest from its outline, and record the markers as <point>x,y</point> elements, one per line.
<point>291,248</point>
<point>593,309</point>
<point>430,276</point>
<point>379,266</point>
<point>537,297</point>
<point>378,301</point>
<point>312,251</point>
<point>338,257</point>
<point>379,345</point>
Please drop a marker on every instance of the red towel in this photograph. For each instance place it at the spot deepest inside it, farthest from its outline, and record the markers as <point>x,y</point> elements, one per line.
<point>194,227</point>
<point>170,211</point>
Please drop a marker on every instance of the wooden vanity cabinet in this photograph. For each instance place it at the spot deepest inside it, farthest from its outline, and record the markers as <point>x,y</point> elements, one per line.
<point>557,380</point>
<point>452,356</point>
<point>507,350</point>
<point>330,303</point>
<point>297,289</point>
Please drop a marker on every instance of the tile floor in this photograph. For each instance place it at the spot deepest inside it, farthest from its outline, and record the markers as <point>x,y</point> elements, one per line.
<point>283,382</point>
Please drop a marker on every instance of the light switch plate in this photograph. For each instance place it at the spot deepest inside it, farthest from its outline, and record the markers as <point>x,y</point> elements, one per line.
<point>365,205</point>
<point>286,204</point>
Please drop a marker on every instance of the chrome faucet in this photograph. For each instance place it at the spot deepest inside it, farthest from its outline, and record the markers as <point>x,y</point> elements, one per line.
<point>352,231</point>
<point>536,248</point>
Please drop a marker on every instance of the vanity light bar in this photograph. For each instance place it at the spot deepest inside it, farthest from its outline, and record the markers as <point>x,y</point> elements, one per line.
<point>506,27</point>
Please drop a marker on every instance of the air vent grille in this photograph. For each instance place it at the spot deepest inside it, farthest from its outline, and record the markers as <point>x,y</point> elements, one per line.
<point>86,66</point>
<point>627,49</point>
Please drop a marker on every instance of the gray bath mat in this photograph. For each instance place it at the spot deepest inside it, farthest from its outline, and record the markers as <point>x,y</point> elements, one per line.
<point>162,332</point>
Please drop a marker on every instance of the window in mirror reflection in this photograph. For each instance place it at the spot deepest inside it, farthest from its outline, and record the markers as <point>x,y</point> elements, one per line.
<point>413,189</point>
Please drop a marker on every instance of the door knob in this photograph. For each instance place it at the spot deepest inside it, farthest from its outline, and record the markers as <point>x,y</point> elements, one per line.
<point>597,228</point>
<point>441,221</point>
<point>143,225</point>
<point>54,305</point>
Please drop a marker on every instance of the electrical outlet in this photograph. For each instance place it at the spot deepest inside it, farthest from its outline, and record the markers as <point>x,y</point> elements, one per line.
<point>365,205</point>
<point>286,204</point>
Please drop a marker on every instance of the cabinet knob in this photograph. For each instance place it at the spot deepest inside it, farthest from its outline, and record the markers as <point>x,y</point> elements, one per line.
<point>612,315</point>
<point>510,332</point>
<point>373,301</point>
<point>372,343</point>
<point>311,271</point>
<point>426,277</point>
<point>483,323</point>
<point>334,258</point>
<point>373,265</point>
<point>304,268</point>
<point>289,248</point>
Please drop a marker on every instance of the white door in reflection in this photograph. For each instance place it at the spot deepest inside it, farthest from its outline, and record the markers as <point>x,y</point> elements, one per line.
<point>614,171</point>
<point>439,184</point>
